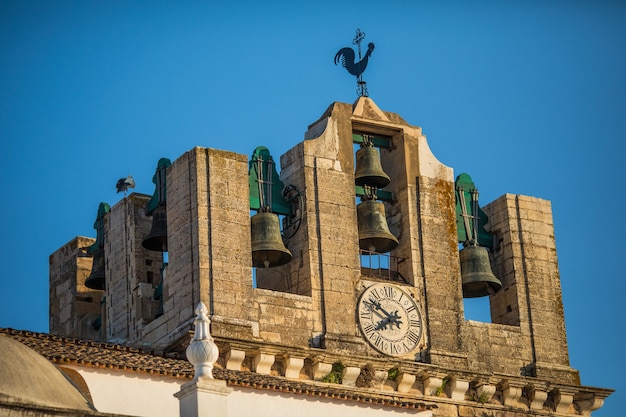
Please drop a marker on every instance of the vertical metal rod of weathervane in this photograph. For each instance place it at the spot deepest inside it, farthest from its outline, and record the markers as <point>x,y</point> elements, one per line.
<point>361,89</point>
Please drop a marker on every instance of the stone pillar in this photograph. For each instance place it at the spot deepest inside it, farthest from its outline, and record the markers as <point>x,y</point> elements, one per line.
<point>203,396</point>
<point>127,266</point>
<point>73,306</point>
<point>530,298</point>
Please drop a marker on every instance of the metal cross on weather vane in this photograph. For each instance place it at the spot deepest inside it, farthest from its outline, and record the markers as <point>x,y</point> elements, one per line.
<point>346,57</point>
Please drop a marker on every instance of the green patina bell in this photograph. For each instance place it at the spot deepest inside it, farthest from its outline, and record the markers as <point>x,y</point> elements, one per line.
<point>95,280</point>
<point>476,276</point>
<point>369,171</point>
<point>268,249</point>
<point>374,234</point>
<point>157,238</point>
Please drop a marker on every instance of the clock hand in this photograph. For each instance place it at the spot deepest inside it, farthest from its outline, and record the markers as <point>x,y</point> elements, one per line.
<point>391,317</point>
<point>387,318</point>
<point>371,304</point>
<point>395,319</point>
<point>382,324</point>
<point>374,307</point>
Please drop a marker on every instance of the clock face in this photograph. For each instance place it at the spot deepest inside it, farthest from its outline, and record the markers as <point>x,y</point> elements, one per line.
<point>390,319</point>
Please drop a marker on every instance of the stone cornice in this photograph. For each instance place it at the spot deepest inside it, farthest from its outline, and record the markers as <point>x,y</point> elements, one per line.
<point>302,370</point>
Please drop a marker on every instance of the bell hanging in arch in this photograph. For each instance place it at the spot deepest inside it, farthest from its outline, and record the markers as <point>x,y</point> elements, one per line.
<point>157,238</point>
<point>476,276</point>
<point>374,234</point>
<point>369,171</point>
<point>95,280</point>
<point>268,249</point>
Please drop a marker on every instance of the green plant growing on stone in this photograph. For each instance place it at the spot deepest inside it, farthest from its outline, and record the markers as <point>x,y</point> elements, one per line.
<point>335,375</point>
<point>442,388</point>
<point>393,373</point>
<point>483,398</point>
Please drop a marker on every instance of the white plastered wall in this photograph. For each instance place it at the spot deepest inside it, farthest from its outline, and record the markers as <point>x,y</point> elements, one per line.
<point>153,396</point>
<point>249,402</point>
<point>134,394</point>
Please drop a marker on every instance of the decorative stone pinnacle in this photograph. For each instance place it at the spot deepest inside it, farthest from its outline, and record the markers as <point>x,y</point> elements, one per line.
<point>202,351</point>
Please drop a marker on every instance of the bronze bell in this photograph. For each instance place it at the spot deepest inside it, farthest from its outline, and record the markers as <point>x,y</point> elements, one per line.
<point>374,234</point>
<point>95,280</point>
<point>268,249</point>
<point>157,238</point>
<point>476,275</point>
<point>369,171</point>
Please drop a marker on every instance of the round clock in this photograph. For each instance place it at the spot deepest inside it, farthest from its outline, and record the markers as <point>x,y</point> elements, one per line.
<point>390,319</point>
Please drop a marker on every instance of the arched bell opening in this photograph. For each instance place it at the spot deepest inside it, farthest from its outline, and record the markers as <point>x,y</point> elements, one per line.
<point>270,222</point>
<point>375,239</point>
<point>151,289</point>
<point>153,295</point>
<point>477,278</point>
<point>478,283</point>
<point>156,240</point>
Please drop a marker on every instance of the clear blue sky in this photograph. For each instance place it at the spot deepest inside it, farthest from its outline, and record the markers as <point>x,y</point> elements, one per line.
<point>528,97</point>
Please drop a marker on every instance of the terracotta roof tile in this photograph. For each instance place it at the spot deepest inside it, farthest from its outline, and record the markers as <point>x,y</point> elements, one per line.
<point>62,350</point>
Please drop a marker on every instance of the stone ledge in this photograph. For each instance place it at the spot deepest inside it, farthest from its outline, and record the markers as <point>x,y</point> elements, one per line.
<point>512,393</point>
<point>421,381</point>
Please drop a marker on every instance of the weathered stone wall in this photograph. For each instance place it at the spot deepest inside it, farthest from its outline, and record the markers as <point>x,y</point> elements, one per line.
<point>209,237</point>
<point>526,263</point>
<point>294,277</point>
<point>312,300</point>
<point>129,268</point>
<point>301,318</point>
<point>331,226</point>
<point>73,307</point>
<point>181,283</point>
<point>210,258</point>
<point>229,253</point>
<point>422,216</point>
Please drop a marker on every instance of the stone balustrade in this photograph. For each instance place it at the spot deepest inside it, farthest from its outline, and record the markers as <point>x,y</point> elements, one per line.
<point>420,381</point>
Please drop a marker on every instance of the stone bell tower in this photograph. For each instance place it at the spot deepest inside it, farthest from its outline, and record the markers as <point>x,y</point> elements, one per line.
<point>372,288</point>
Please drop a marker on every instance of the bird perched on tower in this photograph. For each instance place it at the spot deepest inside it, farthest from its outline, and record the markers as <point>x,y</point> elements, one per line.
<point>124,184</point>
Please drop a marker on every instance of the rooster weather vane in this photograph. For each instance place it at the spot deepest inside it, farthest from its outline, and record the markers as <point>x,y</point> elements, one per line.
<point>346,57</point>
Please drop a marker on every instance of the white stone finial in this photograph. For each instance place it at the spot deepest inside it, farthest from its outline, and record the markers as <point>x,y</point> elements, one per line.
<point>202,351</point>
